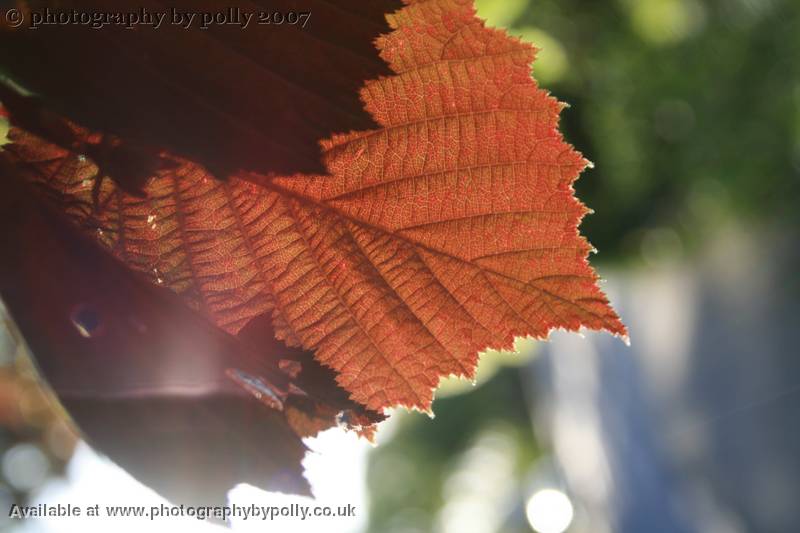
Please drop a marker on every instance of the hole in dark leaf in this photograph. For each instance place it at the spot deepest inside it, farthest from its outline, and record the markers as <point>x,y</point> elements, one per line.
<point>86,320</point>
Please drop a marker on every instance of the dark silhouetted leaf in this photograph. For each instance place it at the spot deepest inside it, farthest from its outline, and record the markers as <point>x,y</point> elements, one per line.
<point>230,99</point>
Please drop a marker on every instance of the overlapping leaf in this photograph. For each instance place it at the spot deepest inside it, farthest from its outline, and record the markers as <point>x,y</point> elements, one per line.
<point>449,229</point>
<point>222,96</point>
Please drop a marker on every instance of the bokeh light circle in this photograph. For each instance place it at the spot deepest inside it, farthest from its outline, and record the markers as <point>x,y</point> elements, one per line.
<point>549,511</point>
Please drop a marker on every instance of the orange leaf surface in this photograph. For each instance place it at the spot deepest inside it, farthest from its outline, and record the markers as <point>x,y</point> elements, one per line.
<point>449,229</point>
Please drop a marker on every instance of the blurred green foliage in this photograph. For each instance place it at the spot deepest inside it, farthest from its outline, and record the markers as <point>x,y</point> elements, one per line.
<point>690,109</point>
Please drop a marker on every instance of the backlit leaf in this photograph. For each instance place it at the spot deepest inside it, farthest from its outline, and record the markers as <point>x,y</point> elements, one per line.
<point>449,229</point>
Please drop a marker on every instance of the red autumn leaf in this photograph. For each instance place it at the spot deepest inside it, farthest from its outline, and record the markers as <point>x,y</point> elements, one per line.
<point>449,229</point>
